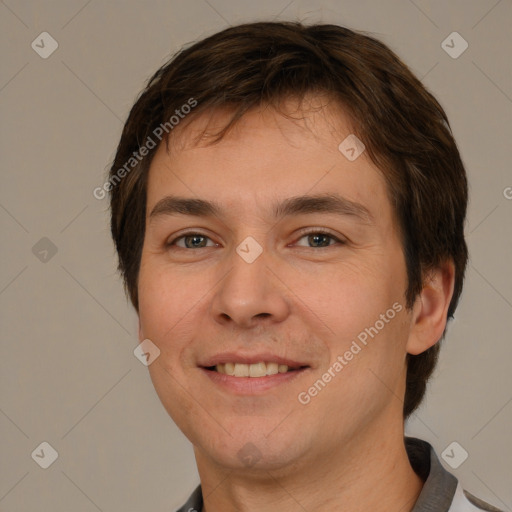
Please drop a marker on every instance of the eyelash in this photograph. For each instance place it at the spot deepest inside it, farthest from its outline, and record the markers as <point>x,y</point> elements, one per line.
<point>325,232</point>
<point>310,231</point>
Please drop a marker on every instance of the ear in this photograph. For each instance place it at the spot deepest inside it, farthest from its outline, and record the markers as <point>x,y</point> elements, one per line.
<point>430,310</point>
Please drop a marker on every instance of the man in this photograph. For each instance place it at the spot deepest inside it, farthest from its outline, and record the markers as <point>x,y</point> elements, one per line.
<point>288,207</point>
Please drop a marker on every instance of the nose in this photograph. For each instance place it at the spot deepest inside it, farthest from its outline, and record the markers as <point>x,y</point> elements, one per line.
<point>250,293</point>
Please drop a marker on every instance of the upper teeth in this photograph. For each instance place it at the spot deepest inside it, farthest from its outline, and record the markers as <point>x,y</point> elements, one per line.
<point>251,370</point>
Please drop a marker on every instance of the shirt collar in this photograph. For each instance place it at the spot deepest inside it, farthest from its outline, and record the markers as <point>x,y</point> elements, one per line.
<point>439,487</point>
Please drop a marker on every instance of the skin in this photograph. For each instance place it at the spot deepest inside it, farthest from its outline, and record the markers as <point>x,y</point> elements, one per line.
<point>302,298</point>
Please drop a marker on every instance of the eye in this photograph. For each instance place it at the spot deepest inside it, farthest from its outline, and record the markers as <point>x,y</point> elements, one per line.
<point>319,239</point>
<point>313,239</point>
<point>191,241</point>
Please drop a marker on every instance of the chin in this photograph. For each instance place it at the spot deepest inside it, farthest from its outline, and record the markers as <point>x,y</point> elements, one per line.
<point>253,449</point>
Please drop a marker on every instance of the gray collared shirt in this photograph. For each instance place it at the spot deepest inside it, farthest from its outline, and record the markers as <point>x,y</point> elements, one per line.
<point>441,491</point>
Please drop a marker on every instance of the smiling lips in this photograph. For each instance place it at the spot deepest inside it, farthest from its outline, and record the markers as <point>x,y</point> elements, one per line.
<point>260,369</point>
<point>246,374</point>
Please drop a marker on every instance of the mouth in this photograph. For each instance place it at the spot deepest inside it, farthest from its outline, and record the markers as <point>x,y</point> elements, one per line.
<point>242,373</point>
<point>252,374</point>
<point>254,370</point>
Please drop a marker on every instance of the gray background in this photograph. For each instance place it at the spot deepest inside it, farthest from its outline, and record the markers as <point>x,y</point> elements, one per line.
<point>68,373</point>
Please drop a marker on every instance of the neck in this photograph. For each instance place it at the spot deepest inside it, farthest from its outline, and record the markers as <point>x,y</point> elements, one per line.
<point>371,471</point>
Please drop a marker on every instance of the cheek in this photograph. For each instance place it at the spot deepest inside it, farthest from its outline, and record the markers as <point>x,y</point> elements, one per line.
<point>166,303</point>
<point>350,297</point>
<point>364,310</point>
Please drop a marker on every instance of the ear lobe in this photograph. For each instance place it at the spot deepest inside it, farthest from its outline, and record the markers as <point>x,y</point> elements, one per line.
<point>431,308</point>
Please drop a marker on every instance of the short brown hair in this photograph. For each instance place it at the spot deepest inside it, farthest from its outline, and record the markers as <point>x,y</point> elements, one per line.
<point>405,131</point>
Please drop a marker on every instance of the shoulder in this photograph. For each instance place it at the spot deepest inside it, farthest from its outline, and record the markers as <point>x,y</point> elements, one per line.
<point>441,491</point>
<point>481,505</point>
<point>464,501</point>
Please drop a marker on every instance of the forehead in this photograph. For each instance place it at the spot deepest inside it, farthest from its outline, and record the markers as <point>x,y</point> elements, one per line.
<point>315,116</point>
<point>267,155</point>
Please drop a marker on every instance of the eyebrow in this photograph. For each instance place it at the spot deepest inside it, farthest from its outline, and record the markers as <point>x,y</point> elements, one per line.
<point>309,204</point>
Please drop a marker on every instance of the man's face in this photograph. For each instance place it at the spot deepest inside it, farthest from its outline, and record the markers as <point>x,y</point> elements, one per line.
<point>270,280</point>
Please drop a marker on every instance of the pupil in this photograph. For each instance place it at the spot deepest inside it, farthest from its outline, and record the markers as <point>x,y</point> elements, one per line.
<point>314,239</point>
<point>195,241</point>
